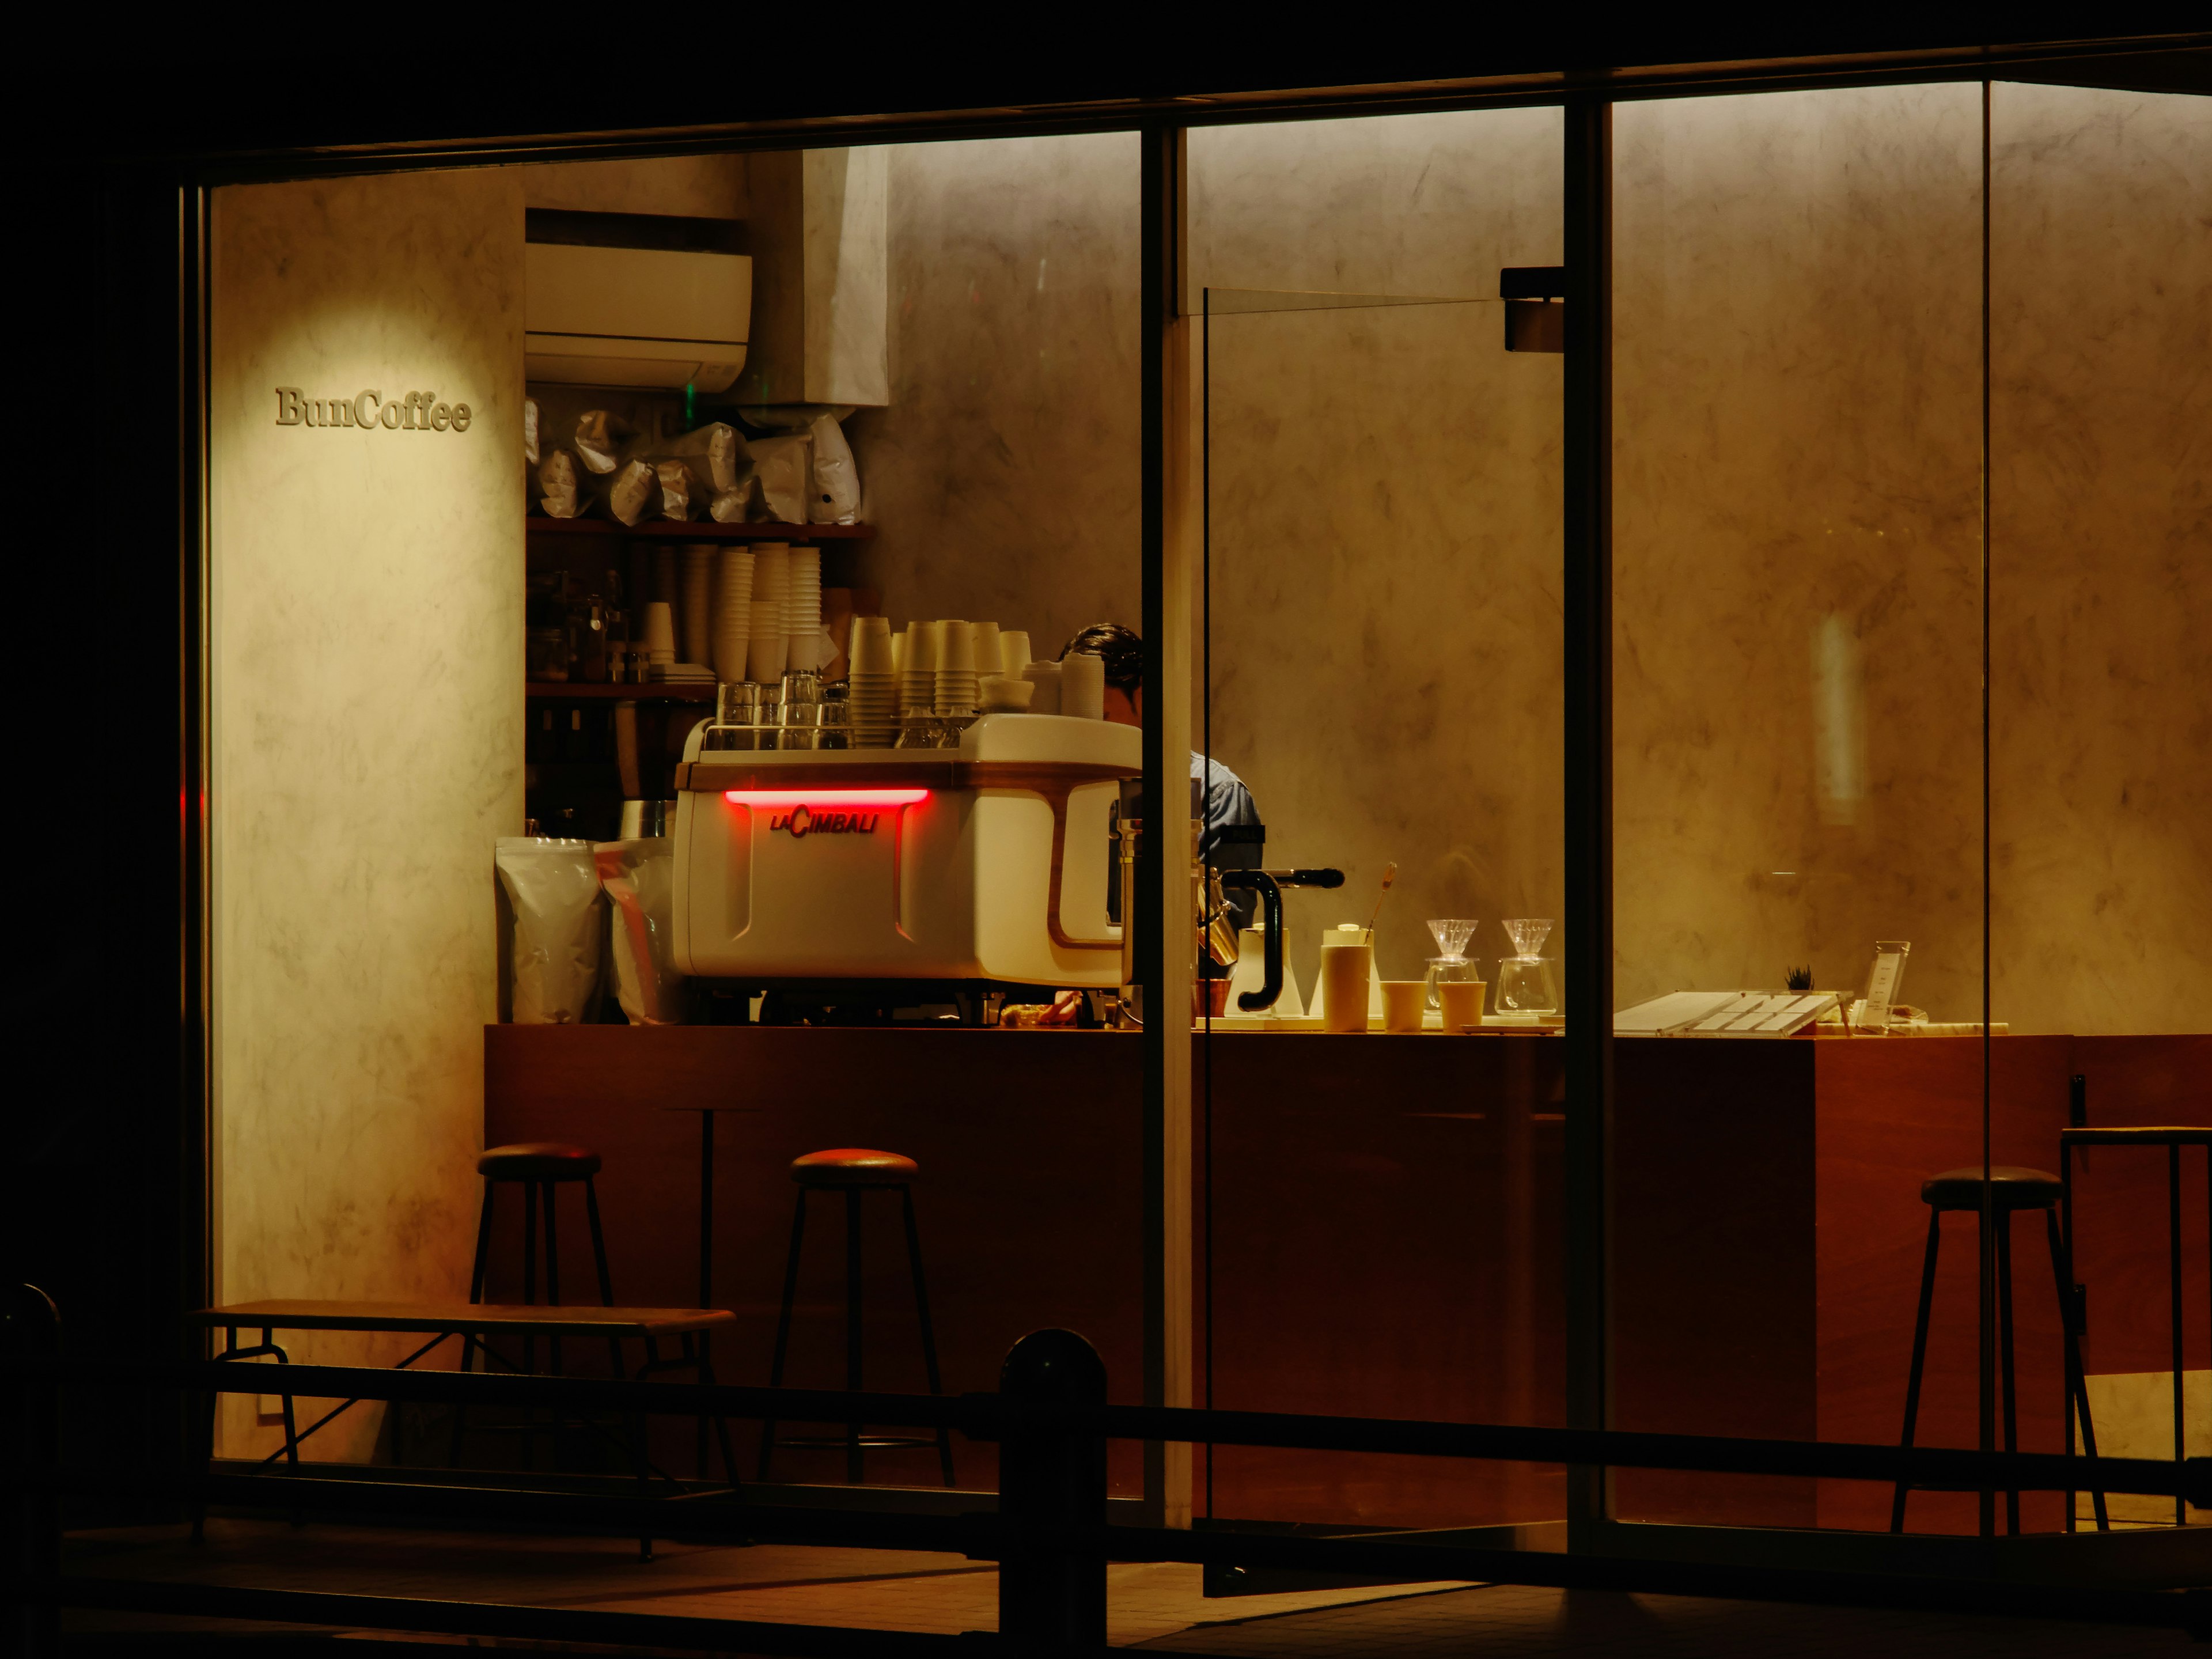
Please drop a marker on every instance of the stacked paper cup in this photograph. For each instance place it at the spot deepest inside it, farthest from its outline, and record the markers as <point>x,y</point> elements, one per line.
<point>955,668</point>
<point>987,648</point>
<point>872,685</point>
<point>918,668</point>
<point>698,608</point>
<point>767,651</point>
<point>803,607</point>
<point>733,620</point>
<point>1014,651</point>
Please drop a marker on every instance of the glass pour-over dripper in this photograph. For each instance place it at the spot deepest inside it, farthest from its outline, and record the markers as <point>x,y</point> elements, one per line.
<point>1451,938</point>
<point>1525,985</point>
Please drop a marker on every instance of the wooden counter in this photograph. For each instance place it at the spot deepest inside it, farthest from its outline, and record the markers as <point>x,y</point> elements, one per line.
<point>1380,1231</point>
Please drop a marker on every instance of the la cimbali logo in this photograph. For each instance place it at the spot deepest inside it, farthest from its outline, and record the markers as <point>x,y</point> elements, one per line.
<point>802,820</point>
<point>417,411</point>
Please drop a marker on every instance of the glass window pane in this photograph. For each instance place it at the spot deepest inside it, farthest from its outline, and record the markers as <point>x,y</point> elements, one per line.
<point>1382,667</point>
<point>1797,773</point>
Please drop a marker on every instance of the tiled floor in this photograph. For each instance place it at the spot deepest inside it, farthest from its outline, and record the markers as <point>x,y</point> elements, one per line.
<point>1155,1607</point>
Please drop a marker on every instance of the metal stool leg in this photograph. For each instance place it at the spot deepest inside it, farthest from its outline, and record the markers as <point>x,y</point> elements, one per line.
<point>2077,1389</point>
<point>854,1459</point>
<point>1919,1358</point>
<point>600,1261</point>
<point>721,1423</point>
<point>928,1335</point>
<point>2003,1219</point>
<point>553,1266</point>
<point>468,1338</point>
<point>783,1322</point>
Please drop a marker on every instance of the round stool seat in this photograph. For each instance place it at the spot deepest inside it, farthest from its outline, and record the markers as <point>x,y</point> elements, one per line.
<point>539,1160</point>
<point>853,1166</point>
<point>2010,1188</point>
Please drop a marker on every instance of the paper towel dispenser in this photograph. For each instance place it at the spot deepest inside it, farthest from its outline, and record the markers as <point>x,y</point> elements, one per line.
<point>664,316</point>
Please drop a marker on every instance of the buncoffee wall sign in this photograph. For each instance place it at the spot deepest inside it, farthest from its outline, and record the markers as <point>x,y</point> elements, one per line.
<point>417,411</point>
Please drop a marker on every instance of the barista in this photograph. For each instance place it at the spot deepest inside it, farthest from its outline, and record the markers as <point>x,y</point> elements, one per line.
<point>1233,839</point>
<point>1233,830</point>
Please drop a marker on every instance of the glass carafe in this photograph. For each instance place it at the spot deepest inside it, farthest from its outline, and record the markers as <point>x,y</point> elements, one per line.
<point>1525,985</point>
<point>1452,962</point>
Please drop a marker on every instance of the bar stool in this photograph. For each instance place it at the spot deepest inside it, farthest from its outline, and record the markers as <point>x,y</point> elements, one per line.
<point>2012,1189</point>
<point>535,1165</point>
<point>855,1171</point>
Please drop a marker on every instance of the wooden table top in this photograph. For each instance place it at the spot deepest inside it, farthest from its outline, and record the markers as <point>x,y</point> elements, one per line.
<point>582,1320</point>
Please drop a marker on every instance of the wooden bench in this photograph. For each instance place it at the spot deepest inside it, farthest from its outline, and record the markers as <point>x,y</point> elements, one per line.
<point>473,1322</point>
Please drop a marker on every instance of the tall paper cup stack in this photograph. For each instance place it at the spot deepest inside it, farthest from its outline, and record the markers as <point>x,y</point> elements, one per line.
<point>733,621</point>
<point>699,602</point>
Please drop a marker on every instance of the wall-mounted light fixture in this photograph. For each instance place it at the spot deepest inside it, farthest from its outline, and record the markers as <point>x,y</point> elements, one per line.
<point>1535,319</point>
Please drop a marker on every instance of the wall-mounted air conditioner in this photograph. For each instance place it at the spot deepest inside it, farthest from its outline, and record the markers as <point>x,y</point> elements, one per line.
<point>619,316</point>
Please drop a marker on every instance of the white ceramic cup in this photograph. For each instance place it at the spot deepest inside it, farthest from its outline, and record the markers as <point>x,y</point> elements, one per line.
<point>1045,676</point>
<point>1083,685</point>
<point>1404,1002</point>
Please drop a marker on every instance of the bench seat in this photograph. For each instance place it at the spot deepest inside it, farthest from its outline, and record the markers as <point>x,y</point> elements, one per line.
<point>289,1314</point>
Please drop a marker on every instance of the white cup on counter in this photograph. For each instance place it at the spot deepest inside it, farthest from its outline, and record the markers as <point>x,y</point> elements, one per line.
<point>1014,651</point>
<point>1347,966</point>
<point>1045,676</point>
<point>1083,685</point>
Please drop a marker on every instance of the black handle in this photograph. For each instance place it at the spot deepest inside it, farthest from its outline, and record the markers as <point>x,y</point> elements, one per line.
<point>1306,878</point>
<point>1271,907</point>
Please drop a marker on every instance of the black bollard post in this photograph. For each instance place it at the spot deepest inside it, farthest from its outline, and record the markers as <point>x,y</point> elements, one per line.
<point>32,1342</point>
<point>1052,1489</point>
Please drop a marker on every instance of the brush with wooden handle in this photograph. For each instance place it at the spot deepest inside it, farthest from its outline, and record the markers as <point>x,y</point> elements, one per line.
<point>1389,875</point>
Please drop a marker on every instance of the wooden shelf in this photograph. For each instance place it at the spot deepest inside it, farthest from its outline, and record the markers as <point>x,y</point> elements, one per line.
<point>672,530</point>
<point>592,692</point>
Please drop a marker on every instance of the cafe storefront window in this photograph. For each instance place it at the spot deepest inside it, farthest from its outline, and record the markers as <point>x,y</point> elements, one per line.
<point>1524,763</point>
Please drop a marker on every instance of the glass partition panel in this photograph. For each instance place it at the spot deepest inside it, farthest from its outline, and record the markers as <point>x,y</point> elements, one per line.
<point>2101,601</point>
<point>1381,1210</point>
<point>1797,783</point>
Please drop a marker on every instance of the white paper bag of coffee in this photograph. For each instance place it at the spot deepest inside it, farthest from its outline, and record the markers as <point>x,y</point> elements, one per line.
<point>553,887</point>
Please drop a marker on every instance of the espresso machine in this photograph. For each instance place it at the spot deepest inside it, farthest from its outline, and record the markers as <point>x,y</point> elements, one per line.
<point>987,864</point>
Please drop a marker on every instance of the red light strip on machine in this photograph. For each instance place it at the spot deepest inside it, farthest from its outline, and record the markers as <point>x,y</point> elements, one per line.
<point>828,797</point>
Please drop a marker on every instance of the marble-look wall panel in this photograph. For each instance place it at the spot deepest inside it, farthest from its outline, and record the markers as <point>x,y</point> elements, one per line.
<point>1003,477</point>
<point>2101,560</point>
<point>367,615</point>
<point>1797,511</point>
<point>1385,648</point>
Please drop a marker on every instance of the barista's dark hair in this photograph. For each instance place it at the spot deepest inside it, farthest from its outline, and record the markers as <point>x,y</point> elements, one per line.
<point>1123,651</point>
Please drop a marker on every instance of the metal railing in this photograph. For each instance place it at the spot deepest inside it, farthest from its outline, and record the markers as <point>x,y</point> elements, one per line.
<point>1049,1532</point>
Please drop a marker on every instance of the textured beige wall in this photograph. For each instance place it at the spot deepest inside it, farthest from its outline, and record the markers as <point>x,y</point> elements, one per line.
<point>367,650</point>
<point>2101,560</point>
<point>1004,475</point>
<point>1384,489</point>
<point>1797,511</point>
